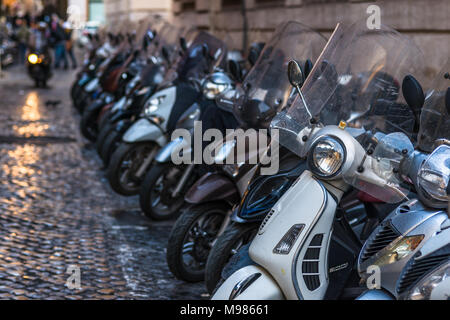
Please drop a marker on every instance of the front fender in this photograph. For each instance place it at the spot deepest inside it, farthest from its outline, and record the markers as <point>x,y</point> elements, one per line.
<point>249,283</point>
<point>165,154</point>
<point>212,187</point>
<point>144,130</point>
<point>375,295</point>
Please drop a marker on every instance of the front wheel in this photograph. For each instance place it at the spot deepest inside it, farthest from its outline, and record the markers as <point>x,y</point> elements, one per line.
<point>111,143</point>
<point>88,123</point>
<point>128,165</point>
<point>192,237</point>
<point>228,244</point>
<point>156,196</point>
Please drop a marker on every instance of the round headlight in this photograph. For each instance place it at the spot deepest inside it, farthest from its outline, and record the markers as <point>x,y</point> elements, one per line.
<point>327,156</point>
<point>434,174</point>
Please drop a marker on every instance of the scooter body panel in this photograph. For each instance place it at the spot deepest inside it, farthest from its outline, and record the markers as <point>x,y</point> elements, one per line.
<point>302,271</point>
<point>212,187</point>
<point>143,130</point>
<point>249,283</point>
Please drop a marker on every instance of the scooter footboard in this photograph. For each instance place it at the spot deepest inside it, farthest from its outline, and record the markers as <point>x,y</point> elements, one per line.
<point>249,283</point>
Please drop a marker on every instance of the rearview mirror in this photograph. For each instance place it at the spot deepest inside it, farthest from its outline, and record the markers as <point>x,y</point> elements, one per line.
<point>295,74</point>
<point>447,100</point>
<point>165,54</point>
<point>308,67</point>
<point>255,51</point>
<point>235,69</point>
<point>413,93</point>
<point>183,44</point>
<point>205,50</point>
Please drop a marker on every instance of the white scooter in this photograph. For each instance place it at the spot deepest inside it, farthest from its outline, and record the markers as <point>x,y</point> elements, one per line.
<point>303,244</point>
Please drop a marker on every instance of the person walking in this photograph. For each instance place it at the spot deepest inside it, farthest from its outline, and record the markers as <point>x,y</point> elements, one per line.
<point>59,40</point>
<point>69,43</point>
<point>22,36</point>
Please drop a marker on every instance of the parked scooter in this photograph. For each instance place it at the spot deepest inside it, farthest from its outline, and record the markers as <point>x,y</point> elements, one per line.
<point>158,73</point>
<point>335,122</point>
<point>162,192</point>
<point>212,197</point>
<point>410,250</point>
<point>145,137</point>
<point>129,71</point>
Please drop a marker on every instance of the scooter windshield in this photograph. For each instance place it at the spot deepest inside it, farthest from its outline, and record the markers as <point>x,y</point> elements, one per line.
<point>357,79</point>
<point>266,87</point>
<point>435,115</point>
<point>204,54</point>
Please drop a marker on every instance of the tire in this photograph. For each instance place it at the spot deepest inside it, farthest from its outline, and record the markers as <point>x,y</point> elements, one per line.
<point>156,189</point>
<point>74,90</point>
<point>177,249</point>
<point>101,137</point>
<point>88,123</point>
<point>229,242</point>
<point>110,145</point>
<point>119,169</point>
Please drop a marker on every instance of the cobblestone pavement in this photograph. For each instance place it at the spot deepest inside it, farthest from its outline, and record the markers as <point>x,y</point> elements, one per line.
<point>57,210</point>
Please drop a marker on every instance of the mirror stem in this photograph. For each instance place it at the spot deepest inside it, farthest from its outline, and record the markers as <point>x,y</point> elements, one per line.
<point>304,101</point>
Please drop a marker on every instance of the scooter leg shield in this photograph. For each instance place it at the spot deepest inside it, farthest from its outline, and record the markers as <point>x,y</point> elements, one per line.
<point>249,283</point>
<point>144,130</point>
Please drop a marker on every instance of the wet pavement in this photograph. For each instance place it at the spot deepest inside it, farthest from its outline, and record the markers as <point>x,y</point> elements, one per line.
<point>58,216</point>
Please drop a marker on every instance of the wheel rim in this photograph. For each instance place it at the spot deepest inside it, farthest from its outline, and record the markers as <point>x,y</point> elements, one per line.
<point>130,164</point>
<point>198,241</point>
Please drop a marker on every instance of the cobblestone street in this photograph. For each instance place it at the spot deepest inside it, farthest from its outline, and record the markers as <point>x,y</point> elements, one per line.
<point>57,209</point>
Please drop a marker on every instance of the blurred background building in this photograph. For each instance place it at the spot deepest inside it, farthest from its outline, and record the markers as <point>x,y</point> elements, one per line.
<point>246,21</point>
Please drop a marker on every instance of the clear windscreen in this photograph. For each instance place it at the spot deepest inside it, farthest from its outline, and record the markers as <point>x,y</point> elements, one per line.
<point>267,81</point>
<point>194,63</point>
<point>435,115</point>
<point>380,177</point>
<point>357,79</point>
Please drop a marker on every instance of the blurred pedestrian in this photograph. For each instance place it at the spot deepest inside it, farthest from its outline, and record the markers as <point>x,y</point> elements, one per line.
<point>69,43</point>
<point>58,39</point>
<point>22,36</point>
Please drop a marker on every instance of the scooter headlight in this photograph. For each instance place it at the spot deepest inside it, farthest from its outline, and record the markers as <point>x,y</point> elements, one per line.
<point>33,58</point>
<point>326,157</point>
<point>211,90</point>
<point>153,105</point>
<point>434,174</point>
<point>434,286</point>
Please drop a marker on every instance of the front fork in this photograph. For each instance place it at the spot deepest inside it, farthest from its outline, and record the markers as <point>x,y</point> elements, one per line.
<point>147,161</point>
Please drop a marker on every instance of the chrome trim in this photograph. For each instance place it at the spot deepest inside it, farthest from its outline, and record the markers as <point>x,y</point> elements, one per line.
<point>242,285</point>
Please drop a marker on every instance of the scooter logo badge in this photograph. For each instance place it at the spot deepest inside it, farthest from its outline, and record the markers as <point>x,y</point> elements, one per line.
<point>339,267</point>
